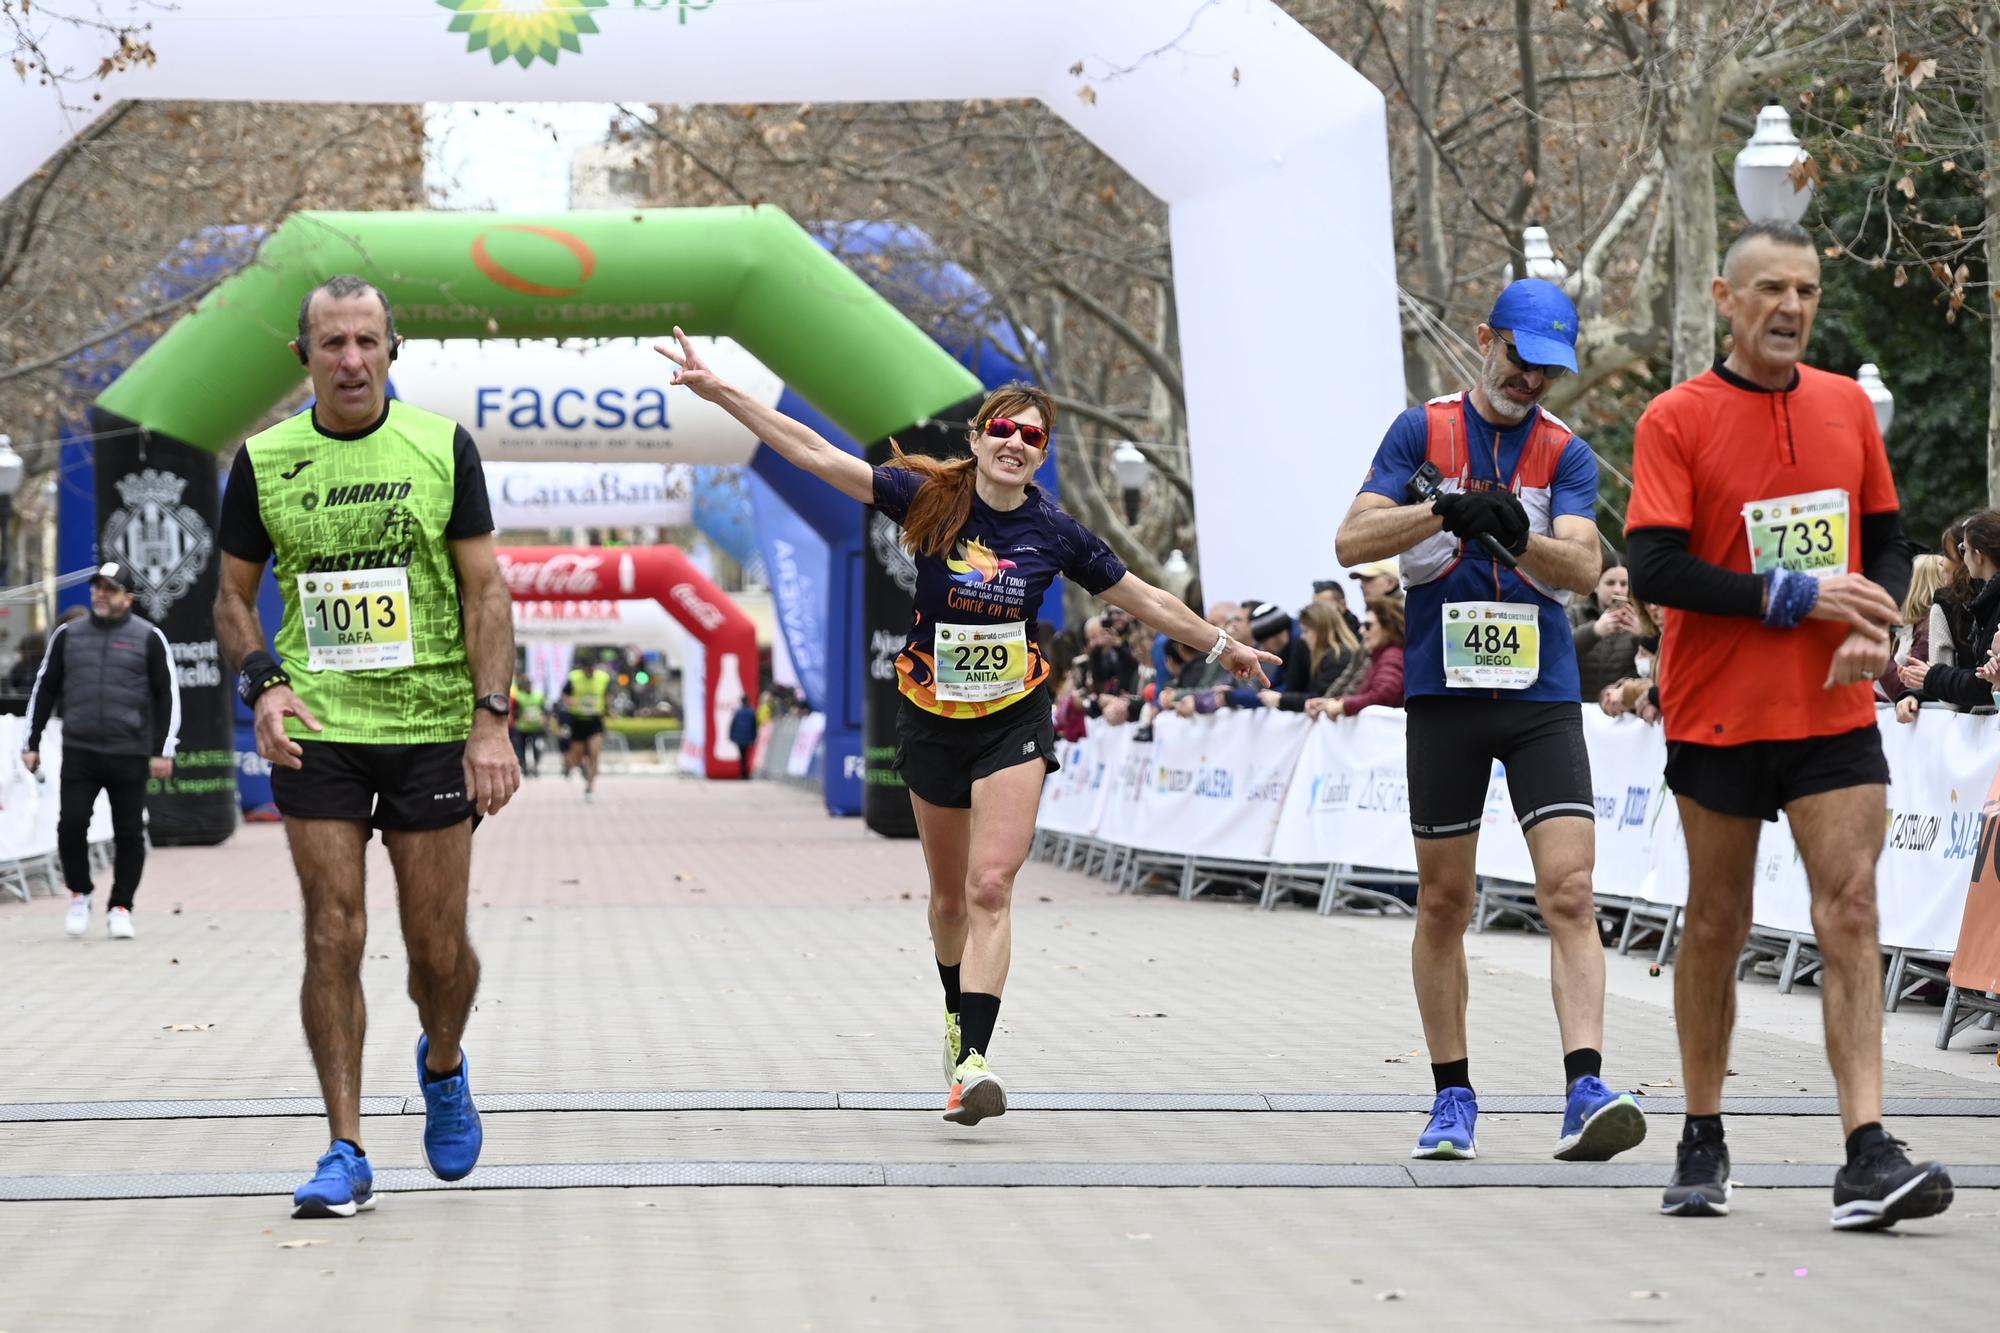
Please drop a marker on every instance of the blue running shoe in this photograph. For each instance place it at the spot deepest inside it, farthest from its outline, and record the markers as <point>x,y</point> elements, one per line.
<point>1454,1117</point>
<point>451,1122</point>
<point>1598,1123</point>
<point>343,1185</point>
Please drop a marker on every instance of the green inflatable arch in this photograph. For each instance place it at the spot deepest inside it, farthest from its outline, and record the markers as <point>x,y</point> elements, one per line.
<point>752,274</point>
<point>749,273</point>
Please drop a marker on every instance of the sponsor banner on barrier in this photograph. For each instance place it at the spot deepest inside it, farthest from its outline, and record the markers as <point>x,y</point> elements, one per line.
<point>1073,799</point>
<point>1349,801</point>
<point>1217,783</point>
<point>1346,803</point>
<point>1124,820</point>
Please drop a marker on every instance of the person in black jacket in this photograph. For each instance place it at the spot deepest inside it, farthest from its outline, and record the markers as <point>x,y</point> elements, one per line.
<point>1969,683</point>
<point>113,677</point>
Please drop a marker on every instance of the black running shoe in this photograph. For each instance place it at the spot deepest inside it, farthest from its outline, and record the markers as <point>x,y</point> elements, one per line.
<point>1881,1188</point>
<point>1700,1186</point>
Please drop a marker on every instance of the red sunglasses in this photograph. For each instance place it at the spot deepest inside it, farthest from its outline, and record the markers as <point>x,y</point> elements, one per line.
<point>1001,428</point>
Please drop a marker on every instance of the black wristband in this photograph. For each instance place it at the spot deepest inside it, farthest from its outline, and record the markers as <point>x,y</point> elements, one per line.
<point>260,672</point>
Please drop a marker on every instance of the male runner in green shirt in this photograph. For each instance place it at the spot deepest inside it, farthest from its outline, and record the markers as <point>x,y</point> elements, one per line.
<point>386,707</point>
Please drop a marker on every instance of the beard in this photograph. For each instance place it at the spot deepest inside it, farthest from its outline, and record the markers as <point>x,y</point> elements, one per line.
<point>1493,381</point>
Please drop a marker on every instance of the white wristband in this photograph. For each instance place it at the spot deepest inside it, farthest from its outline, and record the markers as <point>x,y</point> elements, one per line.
<point>1221,645</point>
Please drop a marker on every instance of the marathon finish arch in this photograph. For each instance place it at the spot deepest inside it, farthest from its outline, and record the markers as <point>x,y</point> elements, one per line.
<point>747,273</point>
<point>663,574</point>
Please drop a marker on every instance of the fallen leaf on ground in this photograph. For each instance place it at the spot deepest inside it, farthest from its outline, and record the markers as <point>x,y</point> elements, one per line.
<point>1649,1295</point>
<point>1392,1295</point>
<point>1667,1082</point>
<point>299,1244</point>
<point>1138,1235</point>
<point>1139,1015</point>
<point>187,1027</point>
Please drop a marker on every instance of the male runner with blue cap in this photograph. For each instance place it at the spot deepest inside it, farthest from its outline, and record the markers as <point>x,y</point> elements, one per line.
<point>1490,501</point>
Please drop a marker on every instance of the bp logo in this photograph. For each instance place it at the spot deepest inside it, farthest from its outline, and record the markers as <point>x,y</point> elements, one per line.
<point>524,30</point>
<point>309,501</point>
<point>164,541</point>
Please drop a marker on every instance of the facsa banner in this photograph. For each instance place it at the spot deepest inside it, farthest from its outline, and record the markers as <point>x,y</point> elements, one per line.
<point>546,401</point>
<point>1346,803</point>
<point>540,496</point>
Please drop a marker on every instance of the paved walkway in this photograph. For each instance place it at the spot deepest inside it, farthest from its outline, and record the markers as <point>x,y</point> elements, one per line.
<point>692,984</point>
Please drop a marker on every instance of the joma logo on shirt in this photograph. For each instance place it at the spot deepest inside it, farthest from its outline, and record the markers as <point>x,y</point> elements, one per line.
<point>367,492</point>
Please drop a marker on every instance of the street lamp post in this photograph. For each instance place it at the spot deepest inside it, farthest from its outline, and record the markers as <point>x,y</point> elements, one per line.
<point>10,486</point>
<point>1878,393</point>
<point>1131,470</point>
<point>1769,185</point>
<point>1541,256</point>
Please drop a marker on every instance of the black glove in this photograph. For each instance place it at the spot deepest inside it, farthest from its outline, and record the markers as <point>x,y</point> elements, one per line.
<point>1499,514</point>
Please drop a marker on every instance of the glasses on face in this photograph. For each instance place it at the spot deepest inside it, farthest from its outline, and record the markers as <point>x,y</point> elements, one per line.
<point>1546,372</point>
<point>1003,428</point>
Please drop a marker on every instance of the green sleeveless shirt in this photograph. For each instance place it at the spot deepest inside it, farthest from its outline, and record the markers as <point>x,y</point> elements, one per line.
<point>381,502</point>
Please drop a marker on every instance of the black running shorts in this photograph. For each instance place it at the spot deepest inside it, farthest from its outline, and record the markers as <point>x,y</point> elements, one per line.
<point>941,757</point>
<point>1757,779</point>
<point>1454,741</point>
<point>582,729</point>
<point>395,788</point>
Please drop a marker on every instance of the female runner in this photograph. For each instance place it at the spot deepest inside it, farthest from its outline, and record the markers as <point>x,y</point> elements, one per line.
<point>974,736</point>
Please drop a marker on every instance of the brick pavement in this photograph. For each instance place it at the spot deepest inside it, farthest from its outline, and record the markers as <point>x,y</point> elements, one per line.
<point>676,934</point>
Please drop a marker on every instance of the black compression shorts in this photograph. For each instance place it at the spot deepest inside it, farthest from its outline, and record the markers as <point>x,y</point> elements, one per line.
<point>1453,743</point>
<point>941,757</point>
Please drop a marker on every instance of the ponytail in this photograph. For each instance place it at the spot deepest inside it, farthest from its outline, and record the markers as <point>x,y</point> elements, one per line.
<point>939,511</point>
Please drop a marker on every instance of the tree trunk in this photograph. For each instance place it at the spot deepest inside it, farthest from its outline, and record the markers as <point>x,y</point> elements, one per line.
<point>1991,63</point>
<point>1425,377</point>
<point>1687,83</point>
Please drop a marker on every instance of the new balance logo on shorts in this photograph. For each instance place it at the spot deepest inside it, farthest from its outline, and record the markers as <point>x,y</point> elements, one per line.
<point>1029,748</point>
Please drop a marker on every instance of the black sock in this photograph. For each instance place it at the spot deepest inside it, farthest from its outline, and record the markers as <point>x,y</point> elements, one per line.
<point>1578,1063</point>
<point>1452,1074</point>
<point>1702,1127</point>
<point>352,1144</point>
<point>979,1014</point>
<point>453,1072</point>
<point>948,974</point>
<point>1861,1139</point>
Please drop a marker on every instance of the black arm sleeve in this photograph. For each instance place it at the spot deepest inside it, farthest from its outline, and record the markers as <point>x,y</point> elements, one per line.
<point>1957,685</point>
<point>241,532</point>
<point>1664,572</point>
<point>48,689</point>
<point>1885,556</point>
<point>160,678</point>
<point>471,509</point>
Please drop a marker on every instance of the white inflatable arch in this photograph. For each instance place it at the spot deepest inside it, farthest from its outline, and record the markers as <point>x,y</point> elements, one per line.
<point>1270,152</point>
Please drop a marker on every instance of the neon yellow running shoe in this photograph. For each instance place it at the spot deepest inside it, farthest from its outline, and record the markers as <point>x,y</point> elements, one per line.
<point>950,1047</point>
<point>976,1092</point>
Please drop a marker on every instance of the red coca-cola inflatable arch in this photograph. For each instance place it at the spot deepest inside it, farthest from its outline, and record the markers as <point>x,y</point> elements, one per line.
<point>662,573</point>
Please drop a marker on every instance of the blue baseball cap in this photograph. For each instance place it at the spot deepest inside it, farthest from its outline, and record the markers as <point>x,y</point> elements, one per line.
<point>1542,319</point>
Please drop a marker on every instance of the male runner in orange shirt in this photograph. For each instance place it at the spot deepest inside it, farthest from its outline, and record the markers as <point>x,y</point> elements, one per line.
<point>1763,512</point>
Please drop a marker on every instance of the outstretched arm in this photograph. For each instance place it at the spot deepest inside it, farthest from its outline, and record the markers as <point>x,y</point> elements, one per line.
<point>1162,611</point>
<point>796,443</point>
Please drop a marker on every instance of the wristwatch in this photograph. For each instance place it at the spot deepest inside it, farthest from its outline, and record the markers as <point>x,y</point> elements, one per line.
<point>257,677</point>
<point>496,704</point>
